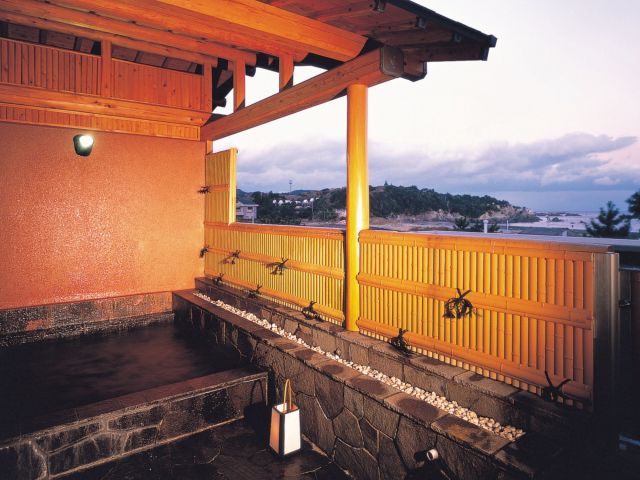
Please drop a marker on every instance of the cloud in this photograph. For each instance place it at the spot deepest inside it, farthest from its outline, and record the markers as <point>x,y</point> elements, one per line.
<point>573,162</point>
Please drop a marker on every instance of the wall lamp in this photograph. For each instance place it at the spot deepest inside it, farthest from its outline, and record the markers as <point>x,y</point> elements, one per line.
<point>83,144</point>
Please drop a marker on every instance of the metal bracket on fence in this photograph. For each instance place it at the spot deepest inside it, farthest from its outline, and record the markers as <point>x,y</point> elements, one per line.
<point>254,293</point>
<point>309,313</point>
<point>458,307</point>
<point>204,190</point>
<point>231,259</point>
<point>400,343</point>
<point>204,250</point>
<point>278,267</point>
<point>553,392</point>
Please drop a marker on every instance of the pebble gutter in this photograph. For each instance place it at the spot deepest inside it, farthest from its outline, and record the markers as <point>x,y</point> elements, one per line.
<point>505,431</point>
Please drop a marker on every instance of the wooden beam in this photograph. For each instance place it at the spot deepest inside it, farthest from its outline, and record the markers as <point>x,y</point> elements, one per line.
<point>40,97</point>
<point>295,31</point>
<point>369,69</point>
<point>188,24</point>
<point>286,72</point>
<point>129,31</point>
<point>107,68</point>
<point>239,94</point>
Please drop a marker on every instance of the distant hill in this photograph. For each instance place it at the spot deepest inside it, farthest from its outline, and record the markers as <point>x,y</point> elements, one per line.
<point>390,201</point>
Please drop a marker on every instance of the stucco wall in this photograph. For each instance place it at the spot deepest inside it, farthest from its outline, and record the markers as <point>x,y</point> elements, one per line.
<point>125,220</point>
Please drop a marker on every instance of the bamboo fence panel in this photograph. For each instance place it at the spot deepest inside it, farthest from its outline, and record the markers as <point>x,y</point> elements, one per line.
<point>314,270</point>
<point>534,301</point>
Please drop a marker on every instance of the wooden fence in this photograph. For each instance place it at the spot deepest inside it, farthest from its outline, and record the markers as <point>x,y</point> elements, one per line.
<point>534,303</point>
<point>313,270</point>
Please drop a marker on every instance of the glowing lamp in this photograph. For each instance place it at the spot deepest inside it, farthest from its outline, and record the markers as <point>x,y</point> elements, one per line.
<point>83,144</point>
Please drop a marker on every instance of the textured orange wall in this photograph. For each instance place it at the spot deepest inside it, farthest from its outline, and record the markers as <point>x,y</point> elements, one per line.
<point>125,220</point>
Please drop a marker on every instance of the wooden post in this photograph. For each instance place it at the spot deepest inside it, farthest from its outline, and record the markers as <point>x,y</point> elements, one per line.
<point>207,87</point>
<point>357,197</point>
<point>286,72</point>
<point>105,50</point>
<point>238,85</point>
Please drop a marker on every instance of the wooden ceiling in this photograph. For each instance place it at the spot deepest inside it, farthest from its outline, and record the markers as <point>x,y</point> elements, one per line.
<point>418,31</point>
<point>225,40</point>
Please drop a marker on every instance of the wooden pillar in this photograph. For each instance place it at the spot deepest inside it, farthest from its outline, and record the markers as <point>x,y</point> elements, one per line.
<point>357,197</point>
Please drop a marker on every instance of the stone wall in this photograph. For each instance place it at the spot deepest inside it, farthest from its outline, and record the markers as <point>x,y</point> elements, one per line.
<point>107,430</point>
<point>370,429</point>
<point>21,325</point>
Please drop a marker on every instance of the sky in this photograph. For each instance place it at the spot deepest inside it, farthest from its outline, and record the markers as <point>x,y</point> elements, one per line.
<point>551,121</point>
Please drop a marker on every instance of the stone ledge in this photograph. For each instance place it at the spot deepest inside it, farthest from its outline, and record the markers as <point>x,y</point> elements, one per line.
<point>61,320</point>
<point>487,397</point>
<point>129,424</point>
<point>376,406</point>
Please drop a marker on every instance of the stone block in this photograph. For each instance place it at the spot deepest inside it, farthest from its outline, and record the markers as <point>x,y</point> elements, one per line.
<point>530,455</point>
<point>309,357</point>
<point>337,370</point>
<point>390,463</point>
<point>435,366</point>
<point>65,435</point>
<point>414,408</point>
<point>469,434</point>
<point>413,441</point>
<point>424,379</point>
<point>357,461</point>
<point>290,325</point>
<point>358,354</point>
<point>354,401</point>
<point>315,425</point>
<point>21,462</point>
<point>85,452</point>
<point>330,394</point>
<point>137,419</point>
<point>144,437</point>
<point>300,374</point>
<point>371,387</point>
<point>381,418</point>
<point>305,333</point>
<point>463,463</point>
<point>390,366</point>
<point>325,340</point>
<point>369,436</point>
<point>347,428</point>
<point>484,396</point>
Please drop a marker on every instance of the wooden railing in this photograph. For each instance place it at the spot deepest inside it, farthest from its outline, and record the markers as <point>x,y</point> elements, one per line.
<point>159,86</point>
<point>313,263</point>
<point>52,68</point>
<point>53,86</point>
<point>534,303</point>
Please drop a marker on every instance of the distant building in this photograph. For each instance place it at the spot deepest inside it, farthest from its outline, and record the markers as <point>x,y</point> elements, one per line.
<point>246,212</point>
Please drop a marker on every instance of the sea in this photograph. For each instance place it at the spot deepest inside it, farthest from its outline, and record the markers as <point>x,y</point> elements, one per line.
<point>566,221</point>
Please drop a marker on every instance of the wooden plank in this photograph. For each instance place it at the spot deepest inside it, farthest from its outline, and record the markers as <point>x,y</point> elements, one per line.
<point>107,68</point>
<point>128,32</point>
<point>286,72</point>
<point>365,70</point>
<point>60,118</point>
<point>37,97</point>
